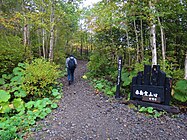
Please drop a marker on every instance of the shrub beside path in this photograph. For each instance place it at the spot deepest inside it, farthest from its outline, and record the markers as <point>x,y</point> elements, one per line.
<point>84,115</point>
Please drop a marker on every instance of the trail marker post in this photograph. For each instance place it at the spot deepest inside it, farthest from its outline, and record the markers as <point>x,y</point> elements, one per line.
<point>117,96</point>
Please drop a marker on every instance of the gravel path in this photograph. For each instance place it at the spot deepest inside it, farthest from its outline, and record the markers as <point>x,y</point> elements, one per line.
<point>83,115</point>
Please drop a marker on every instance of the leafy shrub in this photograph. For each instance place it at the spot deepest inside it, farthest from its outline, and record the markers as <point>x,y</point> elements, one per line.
<point>15,126</point>
<point>181,91</point>
<point>4,101</point>
<point>18,111</point>
<point>104,86</point>
<point>151,111</point>
<point>98,64</point>
<point>11,53</point>
<point>39,77</point>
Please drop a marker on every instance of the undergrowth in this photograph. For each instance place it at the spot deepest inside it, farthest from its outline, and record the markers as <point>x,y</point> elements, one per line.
<point>27,95</point>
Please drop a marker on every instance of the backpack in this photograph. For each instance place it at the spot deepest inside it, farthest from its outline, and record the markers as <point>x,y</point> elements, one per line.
<point>71,64</point>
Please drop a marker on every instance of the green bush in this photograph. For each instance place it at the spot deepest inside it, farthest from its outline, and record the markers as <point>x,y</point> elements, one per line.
<point>100,64</point>
<point>181,91</point>
<point>17,110</point>
<point>39,77</point>
<point>104,86</point>
<point>11,53</point>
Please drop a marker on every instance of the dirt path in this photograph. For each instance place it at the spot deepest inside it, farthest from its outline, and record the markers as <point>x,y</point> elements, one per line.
<point>83,115</point>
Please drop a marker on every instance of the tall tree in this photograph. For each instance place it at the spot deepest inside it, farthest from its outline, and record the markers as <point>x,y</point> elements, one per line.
<point>185,65</point>
<point>52,30</point>
<point>153,34</point>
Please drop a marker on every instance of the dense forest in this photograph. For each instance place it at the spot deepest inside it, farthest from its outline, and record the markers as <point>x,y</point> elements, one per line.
<point>37,35</point>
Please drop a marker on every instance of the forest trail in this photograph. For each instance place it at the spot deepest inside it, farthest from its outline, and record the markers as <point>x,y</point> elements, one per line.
<point>84,115</point>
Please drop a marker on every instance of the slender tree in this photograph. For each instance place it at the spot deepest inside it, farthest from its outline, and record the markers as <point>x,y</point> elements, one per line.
<point>52,30</point>
<point>163,43</point>
<point>185,77</point>
<point>153,34</point>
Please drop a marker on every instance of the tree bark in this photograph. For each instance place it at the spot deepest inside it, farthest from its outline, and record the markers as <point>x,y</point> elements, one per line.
<point>25,28</point>
<point>163,44</point>
<point>43,35</point>
<point>128,45</point>
<point>137,45</point>
<point>51,33</point>
<point>142,42</point>
<point>153,38</point>
<point>185,76</point>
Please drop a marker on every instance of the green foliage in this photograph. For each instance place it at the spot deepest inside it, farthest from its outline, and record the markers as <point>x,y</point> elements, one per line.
<point>172,71</point>
<point>18,104</point>
<point>11,53</point>
<point>4,107</point>
<point>104,86</point>
<point>98,64</point>
<point>27,116</point>
<point>181,91</point>
<point>17,109</point>
<point>4,96</point>
<point>151,111</point>
<point>39,77</point>
<point>4,101</point>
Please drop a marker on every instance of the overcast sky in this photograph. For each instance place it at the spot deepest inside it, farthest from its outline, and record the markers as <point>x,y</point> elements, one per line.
<point>89,2</point>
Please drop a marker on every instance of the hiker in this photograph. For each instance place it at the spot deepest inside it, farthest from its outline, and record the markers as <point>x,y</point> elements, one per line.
<point>71,64</point>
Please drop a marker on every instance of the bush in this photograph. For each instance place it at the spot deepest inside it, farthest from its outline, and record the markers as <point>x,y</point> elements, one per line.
<point>99,64</point>
<point>11,53</point>
<point>181,91</point>
<point>17,110</point>
<point>40,76</point>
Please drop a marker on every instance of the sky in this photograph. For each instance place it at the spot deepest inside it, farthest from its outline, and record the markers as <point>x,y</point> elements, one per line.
<point>89,2</point>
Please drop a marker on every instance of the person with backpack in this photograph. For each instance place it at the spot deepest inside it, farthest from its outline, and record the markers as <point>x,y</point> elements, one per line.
<point>71,64</point>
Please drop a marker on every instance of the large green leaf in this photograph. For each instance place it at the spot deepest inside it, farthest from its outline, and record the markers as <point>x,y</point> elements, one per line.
<point>180,96</point>
<point>182,86</point>
<point>20,93</point>
<point>126,79</point>
<point>4,107</point>
<point>30,104</point>
<point>54,105</point>
<point>18,104</point>
<point>17,71</point>
<point>17,79</point>
<point>4,96</point>
<point>2,81</point>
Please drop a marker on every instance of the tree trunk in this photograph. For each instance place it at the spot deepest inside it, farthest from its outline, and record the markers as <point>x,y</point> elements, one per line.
<point>153,39</point>
<point>163,44</point>
<point>81,45</point>
<point>43,43</point>
<point>142,42</point>
<point>51,33</point>
<point>185,76</point>
<point>43,34</point>
<point>137,46</point>
<point>39,42</point>
<point>25,28</point>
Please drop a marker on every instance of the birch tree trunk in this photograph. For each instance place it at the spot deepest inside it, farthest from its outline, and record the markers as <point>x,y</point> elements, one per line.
<point>43,43</point>
<point>153,38</point>
<point>25,31</point>
<point>185,76</point>
<point>43,35</point>
<point>39,42</point>
<point>25,34</point>
<point>25,27</point>
<point>128,45</point>
<point>142,42</point>
<point>163,44</point>
<point>137,46</point>
<point>51,33</point>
